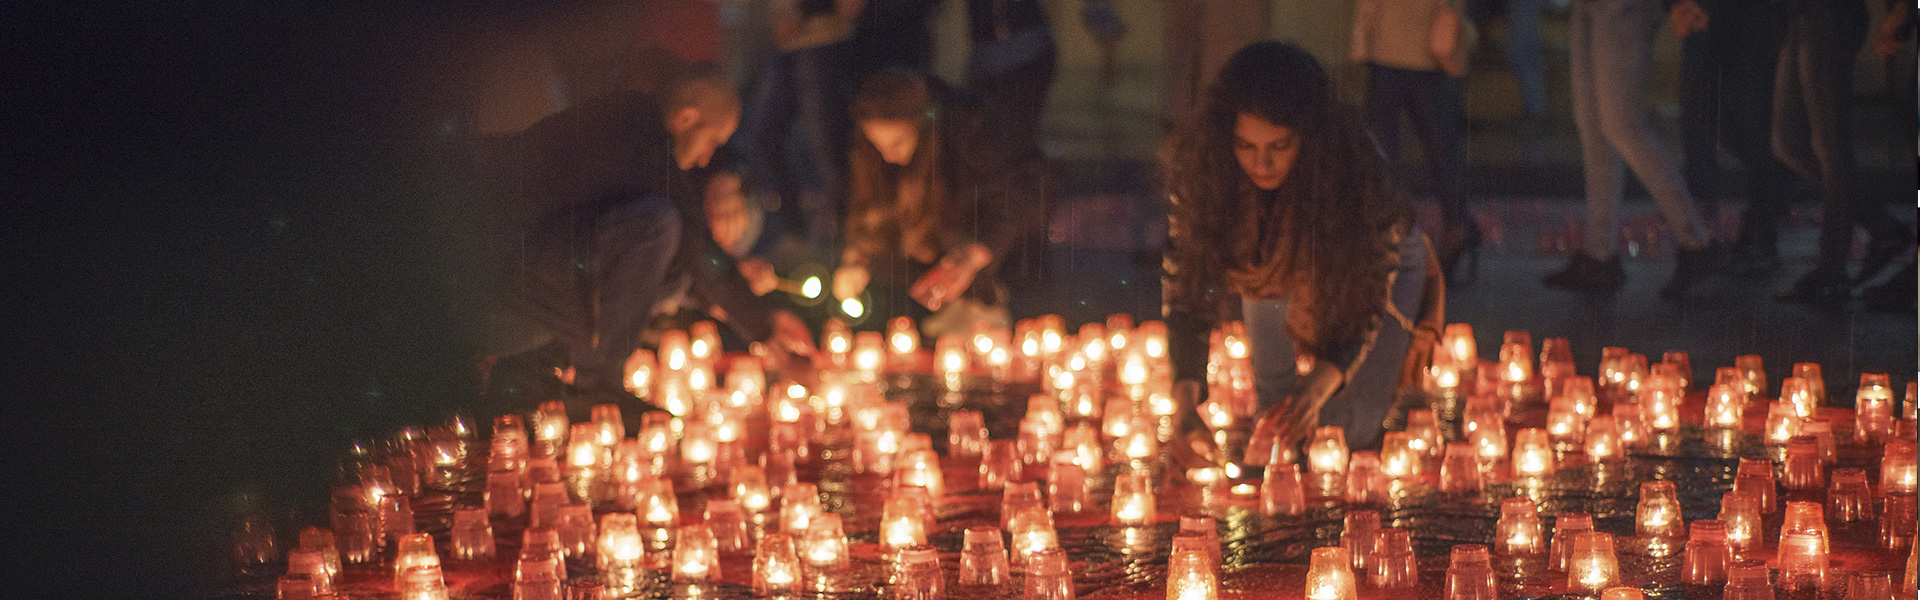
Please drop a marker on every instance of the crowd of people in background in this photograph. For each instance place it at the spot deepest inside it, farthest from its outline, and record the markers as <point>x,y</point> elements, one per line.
<point>931,199</point>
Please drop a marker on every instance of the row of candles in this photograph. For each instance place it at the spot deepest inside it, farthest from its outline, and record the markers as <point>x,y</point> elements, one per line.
<point>570,469</point>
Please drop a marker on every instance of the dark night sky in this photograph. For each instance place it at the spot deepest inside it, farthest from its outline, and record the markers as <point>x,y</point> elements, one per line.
<point>237,240</point>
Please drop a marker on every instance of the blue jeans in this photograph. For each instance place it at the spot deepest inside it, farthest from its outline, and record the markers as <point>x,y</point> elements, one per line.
<point>1431,100</point>
<point>1612,46</point>
<point>1362,405</point>
<point>808,89</point>
<point>1726,100</point>
<point>1524,55</point>
<point>593,289</point>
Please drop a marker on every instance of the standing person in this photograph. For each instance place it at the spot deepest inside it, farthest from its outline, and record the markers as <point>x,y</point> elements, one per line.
<point>1414,57</point>
<point>1012,62</point>
<point>605,229</point>
<point>1612,48</point>
<point>1283,216</point>
<point>1813,134</point>
<point>1727,61</point>
<point>804,84</point>
<point>940,200</point>
<point>1201,35</point>
<point>1523,49</point>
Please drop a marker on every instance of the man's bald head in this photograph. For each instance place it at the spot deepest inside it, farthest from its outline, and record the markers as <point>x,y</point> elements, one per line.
<point>701,108</point>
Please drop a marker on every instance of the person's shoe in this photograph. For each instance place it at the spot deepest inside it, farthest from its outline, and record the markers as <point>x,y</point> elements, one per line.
<point>1588,274</point>
<point>1690,267</point>
<point>1819,286</point>
<point>1895,295</point>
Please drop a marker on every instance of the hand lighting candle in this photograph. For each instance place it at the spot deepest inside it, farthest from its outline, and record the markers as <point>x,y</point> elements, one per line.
<point>1330,575</point>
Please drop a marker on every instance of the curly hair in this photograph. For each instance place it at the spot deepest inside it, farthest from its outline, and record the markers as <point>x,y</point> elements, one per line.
<point>1336,211</point>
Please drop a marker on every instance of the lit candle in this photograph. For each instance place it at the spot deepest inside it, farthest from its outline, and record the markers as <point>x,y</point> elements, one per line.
<point>901,526</point>
<point>1816,384</point>
<point>921,468</point>
<point>1190,576</point>
<point>1153,339</point>
<point>1397,456</point>
<point>639,371</point>
<point>1133,500</point>
<point>1532,456</point>
<point>658,506</point>
<point>1566,528</point>
<point>1740,512</point>
<point>1658,514</point>
<point>618,545</point>
<point>1327,453</point>
<point>1593,566</point>
<point>696,557</point>
<point>750,488</point>
<point>415,550</point>
<point>903,340</point>
<point>826,543</point>
<point>1330,576</point>
<point>674,347</point>
<point>1898,468</point>
<point>1873,409</point>
<point>1802,517</point>
<point>1033,533</point>
<point>1519,531</point>
<point>1458,338</point>
<point>868,352</point>
<point>776,567</point>
<point>1423,432</point>
<point>1565,425</point>
<point>1140,443</point>
<point>1603,439</point>
<point>836,337</point>
<point>1726,406</point>
<point>1660,405</point>
<point>1798,394</point>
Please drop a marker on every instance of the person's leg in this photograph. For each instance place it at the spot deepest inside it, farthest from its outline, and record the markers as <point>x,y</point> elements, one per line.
<point>1270,349</point>
<point>633,245</point>
<point>1385,98</point>
<point>1703,66</point>
<point>766,122</point>
<point>1362,405</point>
<point>1524,54</point>
<point>1746,103</point>
<point>1430,107</point>
<point>1019,97</point>
<point>823,96</point>
<point>1621,77</point>
<point>1599,162</point>
<point>1790,133</point>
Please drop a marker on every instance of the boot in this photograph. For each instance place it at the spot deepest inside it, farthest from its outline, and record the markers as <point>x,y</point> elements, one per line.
<point>1588,274</point>
<point>1690,267</point>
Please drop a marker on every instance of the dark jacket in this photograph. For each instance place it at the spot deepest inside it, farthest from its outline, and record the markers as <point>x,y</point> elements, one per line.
<point>979,187</point>
<point>563,173</point>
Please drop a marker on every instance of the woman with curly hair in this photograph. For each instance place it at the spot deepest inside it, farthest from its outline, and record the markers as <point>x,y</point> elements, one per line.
<point>1283,216</point>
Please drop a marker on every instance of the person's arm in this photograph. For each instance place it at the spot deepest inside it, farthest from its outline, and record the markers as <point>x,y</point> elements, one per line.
<point>1894,28</point>
<point>1366,13</point>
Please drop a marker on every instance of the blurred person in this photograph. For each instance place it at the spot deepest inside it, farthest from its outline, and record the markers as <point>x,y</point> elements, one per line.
<point>1813,134</point>
<point>1728,57</point>
<point>606,229</point>
<point>1415,55</point>
<point>941,200</point>
<point>1012,62</point>
<point>804,85</point>
<point>1612,58</point>
<point>1523,49</point>
<point>1897,293</point>
<point>1283,216</point>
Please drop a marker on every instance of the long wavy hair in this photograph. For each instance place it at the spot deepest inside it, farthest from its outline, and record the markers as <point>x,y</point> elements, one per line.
<point>872,204</point>
<point>1335,210</point>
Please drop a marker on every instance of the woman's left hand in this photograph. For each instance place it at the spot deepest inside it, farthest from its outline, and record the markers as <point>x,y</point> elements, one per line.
<point>951,277</point>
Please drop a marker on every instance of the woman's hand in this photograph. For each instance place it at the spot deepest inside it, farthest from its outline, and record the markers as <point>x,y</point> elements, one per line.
<point>951,277</point>
<point>1292,419</point>
<point>850,280</point>
<point>759,275</point>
